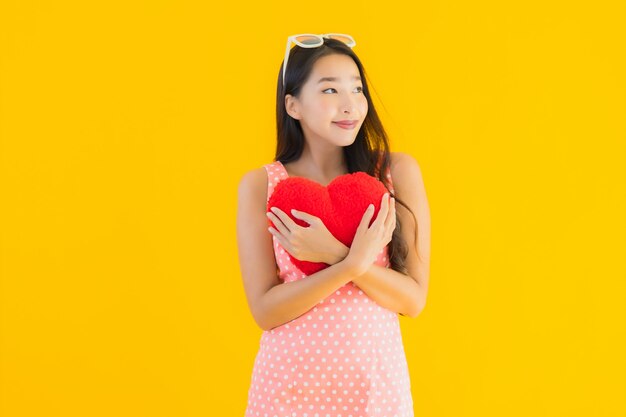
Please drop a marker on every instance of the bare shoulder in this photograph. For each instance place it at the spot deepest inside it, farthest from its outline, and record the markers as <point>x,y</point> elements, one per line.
<point>405,170</point>
<point>253,184</point>
<point>408,182</point>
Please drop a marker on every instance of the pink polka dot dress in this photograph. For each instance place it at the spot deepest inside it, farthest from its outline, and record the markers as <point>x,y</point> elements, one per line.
<point>342,358</point>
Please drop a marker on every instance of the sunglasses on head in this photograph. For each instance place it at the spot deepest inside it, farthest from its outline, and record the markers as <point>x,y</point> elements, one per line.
<point>308,40</point>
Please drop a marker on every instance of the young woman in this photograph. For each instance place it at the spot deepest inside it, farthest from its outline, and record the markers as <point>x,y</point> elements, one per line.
<point>331,343</point>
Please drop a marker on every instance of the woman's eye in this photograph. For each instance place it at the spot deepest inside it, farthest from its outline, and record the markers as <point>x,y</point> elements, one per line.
<point>330,88</point>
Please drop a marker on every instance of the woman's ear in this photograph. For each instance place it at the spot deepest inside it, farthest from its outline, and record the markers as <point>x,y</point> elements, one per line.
<point>291,106</point>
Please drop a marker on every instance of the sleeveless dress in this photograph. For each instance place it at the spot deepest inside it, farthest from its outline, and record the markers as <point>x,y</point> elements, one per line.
<point>342,358</point>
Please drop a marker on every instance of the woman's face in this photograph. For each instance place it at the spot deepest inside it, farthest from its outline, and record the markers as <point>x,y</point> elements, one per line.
<point>323,102</point>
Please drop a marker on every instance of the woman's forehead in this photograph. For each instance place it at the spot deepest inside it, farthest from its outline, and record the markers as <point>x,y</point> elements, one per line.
<point>335,67</point>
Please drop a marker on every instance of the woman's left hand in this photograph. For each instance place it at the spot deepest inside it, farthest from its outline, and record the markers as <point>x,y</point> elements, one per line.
<point>314,243</point>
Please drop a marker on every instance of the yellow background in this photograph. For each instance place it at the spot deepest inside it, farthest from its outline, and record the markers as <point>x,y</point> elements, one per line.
<point>126,126</point>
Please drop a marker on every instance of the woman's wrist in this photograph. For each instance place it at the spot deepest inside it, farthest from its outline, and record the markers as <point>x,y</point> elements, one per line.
<point>354,268</point>
<point>338,253</point>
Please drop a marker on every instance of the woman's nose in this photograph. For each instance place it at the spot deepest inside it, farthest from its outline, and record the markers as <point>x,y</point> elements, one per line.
<point>349,105</point>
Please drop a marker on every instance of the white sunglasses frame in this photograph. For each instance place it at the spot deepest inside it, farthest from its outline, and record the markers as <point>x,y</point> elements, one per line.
<point>320,37</point>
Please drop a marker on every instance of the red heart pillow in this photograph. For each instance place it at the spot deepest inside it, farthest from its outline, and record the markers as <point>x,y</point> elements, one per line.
<point>340,205</point>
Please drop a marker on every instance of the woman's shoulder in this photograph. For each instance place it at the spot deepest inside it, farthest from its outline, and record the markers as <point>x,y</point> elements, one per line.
<point>398,157</point>
<point>253,183</point>
<point>404,169</point>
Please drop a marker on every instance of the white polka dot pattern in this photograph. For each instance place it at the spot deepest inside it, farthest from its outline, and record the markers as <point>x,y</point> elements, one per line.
<point>342,358</point>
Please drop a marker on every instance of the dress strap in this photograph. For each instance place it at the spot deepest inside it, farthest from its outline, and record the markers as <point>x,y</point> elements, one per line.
<point>275,173</point>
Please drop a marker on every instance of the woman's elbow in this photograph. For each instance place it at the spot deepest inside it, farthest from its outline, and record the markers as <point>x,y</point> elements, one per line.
<point>259,316</point>
<point>264,319</point>
<point>263,322</point>
<point>412,314</point>
<point>415,309</point>
<point>262,325</point>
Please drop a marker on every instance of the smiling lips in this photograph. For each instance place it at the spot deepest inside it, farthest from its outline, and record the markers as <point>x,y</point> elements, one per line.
<point>346,124</point>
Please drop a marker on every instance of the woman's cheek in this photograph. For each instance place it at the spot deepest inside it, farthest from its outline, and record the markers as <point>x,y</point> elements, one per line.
<point>364,106</point>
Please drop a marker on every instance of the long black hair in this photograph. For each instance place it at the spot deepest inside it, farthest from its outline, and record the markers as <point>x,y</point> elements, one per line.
<point>368,153</point>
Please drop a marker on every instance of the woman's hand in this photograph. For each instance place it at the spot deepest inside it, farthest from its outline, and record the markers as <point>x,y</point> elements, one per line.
<point>313,244</point>
<point>368,242</point>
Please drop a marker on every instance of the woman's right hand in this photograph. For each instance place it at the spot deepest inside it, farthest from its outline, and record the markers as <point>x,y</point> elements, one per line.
<point>369,241</point>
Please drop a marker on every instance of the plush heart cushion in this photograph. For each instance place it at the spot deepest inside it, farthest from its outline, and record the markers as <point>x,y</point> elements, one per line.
<point>340,205</point>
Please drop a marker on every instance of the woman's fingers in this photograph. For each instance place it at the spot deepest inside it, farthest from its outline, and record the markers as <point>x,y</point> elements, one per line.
<point>279,227</point>
<point>390,224</point>
<point>382,213</point>
<point>309,218</point>
<point>367,216</point>
<point>281,239</point>
<point>391,215</point>
<point>288,224</point>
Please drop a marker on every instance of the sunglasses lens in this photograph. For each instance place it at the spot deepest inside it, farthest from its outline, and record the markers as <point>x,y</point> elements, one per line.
<point>308,40</point>
<point>345,39</point>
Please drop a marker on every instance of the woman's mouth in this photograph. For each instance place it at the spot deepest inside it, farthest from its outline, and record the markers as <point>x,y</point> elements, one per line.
<point>346,125</point>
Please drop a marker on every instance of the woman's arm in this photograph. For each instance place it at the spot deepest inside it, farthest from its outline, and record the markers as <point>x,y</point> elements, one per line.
<point>289,300</point>
<point>389,288</point>
<point>404,294</point>
<point>271,301</point>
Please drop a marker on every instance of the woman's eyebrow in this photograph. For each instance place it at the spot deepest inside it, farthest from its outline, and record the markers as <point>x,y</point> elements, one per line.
<point>321,80</point>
